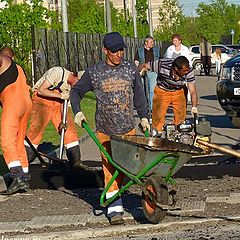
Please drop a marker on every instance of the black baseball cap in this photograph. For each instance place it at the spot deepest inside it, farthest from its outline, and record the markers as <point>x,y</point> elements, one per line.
<point>113,41</point>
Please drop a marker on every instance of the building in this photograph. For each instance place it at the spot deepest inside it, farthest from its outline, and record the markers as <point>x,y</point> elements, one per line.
<point>155,4</point>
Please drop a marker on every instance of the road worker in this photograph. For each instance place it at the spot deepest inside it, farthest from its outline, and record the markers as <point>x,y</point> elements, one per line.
<point>49,93</point>
<point>118,88</point>
<point>16,103</point>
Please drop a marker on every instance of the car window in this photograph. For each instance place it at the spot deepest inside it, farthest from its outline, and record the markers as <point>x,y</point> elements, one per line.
<point>195,50</point>
<point>222,48</point>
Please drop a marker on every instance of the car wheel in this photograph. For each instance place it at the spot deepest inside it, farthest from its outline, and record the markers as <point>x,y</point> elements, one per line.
<point>198,66</point>
<point>235,121</point>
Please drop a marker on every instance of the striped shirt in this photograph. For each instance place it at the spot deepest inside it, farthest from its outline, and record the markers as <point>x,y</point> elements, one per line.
<point>165,79</point>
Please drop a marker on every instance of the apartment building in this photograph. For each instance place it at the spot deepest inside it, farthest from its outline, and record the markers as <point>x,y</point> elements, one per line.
<point>155,4</point>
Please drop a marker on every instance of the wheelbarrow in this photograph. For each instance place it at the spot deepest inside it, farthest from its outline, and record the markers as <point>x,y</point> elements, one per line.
<point>148,162</point>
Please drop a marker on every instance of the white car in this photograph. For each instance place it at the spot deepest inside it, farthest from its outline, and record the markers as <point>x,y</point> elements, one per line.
<point>195,57</point>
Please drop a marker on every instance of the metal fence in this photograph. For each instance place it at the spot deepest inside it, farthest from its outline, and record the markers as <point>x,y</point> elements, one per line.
<point>74,51</point>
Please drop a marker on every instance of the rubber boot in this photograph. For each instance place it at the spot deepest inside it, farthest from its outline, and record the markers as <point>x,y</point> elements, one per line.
<point>74,158</point>
<point>30,154</point>
<point>19,183</point>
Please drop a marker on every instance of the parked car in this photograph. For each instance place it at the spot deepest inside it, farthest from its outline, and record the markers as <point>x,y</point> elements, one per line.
<point>195,57</point>
<point>228,89</point>
<point>234,47</point>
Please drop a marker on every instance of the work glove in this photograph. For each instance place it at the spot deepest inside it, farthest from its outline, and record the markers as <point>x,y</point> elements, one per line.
<point>79,119</point>
<point>194,110</point>
<point>145,124</point>
<point>65,95</point>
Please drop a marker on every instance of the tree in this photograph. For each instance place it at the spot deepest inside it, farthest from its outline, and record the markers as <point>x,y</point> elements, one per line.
<point>171,20</point>
<point>86,16</point>
<point>142,21</point>
<point>16,21</point>
<point>218,19</point>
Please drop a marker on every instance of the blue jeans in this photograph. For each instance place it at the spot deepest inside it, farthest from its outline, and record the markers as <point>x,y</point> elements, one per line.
<point>151,78</point>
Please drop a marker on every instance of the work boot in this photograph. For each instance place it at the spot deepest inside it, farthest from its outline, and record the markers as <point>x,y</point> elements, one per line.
<point>74,158</point>
<point>116,218</point>
<point>19,183</point>
<point>30,154</point>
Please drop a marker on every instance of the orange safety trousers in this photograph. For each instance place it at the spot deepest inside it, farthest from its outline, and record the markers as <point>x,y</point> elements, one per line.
<point>17,105</point>
<point>162,99</point>
<point>108,168</point>
<point>45,110</point>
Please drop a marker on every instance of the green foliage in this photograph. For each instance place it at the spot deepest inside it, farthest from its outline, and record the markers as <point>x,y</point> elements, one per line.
<point>15,28</point>
<point>142,21</point>
<point>217,19</point>
<point>86,16</point>
<point>171,19</point>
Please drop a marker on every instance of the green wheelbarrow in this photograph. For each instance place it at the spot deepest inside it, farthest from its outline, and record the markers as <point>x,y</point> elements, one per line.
<point>148,162</point>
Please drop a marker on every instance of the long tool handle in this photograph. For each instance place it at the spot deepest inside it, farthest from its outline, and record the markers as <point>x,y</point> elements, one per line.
<point>147,93</point>
<point>64,122</point>
<point>44,164</point>
<point>222,149</point>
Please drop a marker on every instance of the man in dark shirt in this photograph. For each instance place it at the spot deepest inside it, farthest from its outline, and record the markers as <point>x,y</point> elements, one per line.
<point>148,53</point>
<point>118,88</point>
<point>173,74</point>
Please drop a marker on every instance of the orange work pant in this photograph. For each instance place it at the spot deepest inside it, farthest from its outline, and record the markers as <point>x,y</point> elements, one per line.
<point>162,100</point>
<point>17,105</point>
<point>45,110</point>
<point>108,168</point>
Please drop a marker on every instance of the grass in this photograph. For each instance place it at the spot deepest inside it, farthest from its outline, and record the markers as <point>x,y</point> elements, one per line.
<point>88,107</point>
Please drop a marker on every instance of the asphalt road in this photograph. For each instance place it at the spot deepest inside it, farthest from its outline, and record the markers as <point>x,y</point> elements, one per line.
<point>224,134</point>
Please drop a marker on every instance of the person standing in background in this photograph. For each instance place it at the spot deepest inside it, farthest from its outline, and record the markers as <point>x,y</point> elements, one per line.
<point>206,51</point>
<point>217,58</point>
<point>145,54</point>
<point>177,49</point>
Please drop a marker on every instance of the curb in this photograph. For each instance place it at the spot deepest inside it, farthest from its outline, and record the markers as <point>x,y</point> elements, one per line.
<point>118,231</point>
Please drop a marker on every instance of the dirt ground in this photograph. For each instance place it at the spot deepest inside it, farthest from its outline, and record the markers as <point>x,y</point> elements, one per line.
<point>45,202</point>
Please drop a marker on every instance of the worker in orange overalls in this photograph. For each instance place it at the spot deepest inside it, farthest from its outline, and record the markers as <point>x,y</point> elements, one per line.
<point>17,105</point>
<point>49,92</point>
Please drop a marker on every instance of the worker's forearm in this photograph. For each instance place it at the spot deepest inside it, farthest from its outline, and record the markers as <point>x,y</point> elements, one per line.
<point>48,93</point>
<point>194,99</point>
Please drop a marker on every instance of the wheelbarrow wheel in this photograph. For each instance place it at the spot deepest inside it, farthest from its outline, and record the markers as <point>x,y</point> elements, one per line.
<point>155,192</point>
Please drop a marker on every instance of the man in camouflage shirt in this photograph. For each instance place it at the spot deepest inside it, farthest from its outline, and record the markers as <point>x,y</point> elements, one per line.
<point>118,88</point>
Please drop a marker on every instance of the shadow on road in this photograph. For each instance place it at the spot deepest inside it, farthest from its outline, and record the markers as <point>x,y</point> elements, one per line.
<point>209,97</point>
<point>219,121</point>
<point>206,167</point>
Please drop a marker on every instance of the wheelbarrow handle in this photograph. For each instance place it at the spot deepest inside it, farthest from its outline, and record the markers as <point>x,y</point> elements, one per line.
<point>95,139</point>
<point>146,133</point>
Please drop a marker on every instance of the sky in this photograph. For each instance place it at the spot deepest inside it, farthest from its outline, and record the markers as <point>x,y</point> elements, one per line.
<point>189,6</point>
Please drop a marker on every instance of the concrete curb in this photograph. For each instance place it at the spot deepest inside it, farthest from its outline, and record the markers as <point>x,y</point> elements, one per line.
<point>121,230</point>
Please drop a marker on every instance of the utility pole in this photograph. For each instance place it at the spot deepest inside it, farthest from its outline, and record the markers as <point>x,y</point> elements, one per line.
<point>64,16</point>
<point>125,10</point>
<point>150,18</point>
<point>108,16</point>
<point>134,13</point>
<point>65,30</point>
<point>65,104</point>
